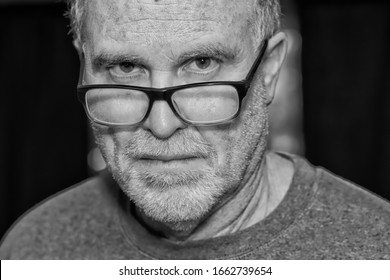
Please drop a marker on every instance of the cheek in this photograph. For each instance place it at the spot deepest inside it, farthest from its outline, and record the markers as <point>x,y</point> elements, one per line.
<point>243,142</point>
<point>105,143</point>
<point>110,142</point>
<point>222,139</point>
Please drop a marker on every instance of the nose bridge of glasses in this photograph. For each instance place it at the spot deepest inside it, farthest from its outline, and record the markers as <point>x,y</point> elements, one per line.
<point>162,119</point>
<point>163,94</point>
<point>156,94</point>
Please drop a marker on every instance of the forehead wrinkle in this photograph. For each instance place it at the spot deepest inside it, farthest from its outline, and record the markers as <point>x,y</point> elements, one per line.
<point>167,25</point>
<point>157,34</point>
<point>155,28</point>
<point>117,12</point>
<point>178,9</point>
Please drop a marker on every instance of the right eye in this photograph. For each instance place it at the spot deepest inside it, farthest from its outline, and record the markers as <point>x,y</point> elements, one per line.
<point>125,69</point>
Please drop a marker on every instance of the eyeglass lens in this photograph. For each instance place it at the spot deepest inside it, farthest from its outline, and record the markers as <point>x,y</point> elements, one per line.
<point>202,104</point>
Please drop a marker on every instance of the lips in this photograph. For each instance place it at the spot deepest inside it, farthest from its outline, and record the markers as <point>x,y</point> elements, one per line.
<point>169,158</point>
<point>176,162</point>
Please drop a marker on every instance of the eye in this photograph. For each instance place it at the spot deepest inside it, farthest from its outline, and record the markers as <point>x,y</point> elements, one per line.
<point>203,62</point>
<point>202,65</point>
<point>125,69</point>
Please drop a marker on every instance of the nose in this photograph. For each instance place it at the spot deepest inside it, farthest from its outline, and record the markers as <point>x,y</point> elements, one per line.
<point>162,121</point>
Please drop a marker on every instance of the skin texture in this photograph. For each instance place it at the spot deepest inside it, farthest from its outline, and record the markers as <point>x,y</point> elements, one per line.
<point>186,182</point>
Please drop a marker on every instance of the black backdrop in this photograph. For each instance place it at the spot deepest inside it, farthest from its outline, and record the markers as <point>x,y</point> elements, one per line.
<point>43,134</point>
<point>43,138</point>
<point>346,89</point>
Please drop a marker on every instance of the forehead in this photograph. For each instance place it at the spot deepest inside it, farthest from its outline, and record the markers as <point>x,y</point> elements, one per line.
<point>166,21</point>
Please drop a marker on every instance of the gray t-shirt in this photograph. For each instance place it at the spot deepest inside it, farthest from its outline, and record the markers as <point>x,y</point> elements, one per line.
<point>321,217</point>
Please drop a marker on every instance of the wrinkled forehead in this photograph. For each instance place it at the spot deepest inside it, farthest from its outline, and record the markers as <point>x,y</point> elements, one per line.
<point>119,19</point>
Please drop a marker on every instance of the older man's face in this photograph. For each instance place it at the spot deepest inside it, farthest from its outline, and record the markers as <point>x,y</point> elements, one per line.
<point>174,172</point>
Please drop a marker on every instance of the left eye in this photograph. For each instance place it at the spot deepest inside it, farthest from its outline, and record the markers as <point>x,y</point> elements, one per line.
<point>202,64</point>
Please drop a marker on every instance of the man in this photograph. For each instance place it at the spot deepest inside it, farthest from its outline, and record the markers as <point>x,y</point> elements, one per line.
<point>177,93</point>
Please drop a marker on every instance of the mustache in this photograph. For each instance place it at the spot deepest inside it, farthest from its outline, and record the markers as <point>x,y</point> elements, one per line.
<point>184,142</point>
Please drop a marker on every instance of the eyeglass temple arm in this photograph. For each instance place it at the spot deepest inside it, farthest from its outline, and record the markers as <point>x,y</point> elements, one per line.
<point>256,64</point>
<point>82,64</point>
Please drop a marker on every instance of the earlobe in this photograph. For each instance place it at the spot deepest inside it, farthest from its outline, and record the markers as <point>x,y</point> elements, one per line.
<point>276,53</point>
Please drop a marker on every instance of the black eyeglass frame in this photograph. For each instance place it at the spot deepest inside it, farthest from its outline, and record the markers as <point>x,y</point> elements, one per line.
<point>153,94</point>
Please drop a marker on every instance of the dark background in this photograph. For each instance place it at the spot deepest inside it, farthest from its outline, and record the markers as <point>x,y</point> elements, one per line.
<point>44,139</point>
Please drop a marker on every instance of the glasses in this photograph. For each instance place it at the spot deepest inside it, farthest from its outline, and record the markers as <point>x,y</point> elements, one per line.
<point>198,104</point>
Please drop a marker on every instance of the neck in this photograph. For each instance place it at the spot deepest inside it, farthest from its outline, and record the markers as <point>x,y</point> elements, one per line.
<point>252,202</point>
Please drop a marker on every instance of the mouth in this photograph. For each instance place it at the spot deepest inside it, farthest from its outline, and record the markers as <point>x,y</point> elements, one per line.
<point>176,161</point>
<point>168,158</point>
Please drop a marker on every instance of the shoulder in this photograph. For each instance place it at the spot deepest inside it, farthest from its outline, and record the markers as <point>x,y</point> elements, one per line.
<point>63,219</point>
<point>334,190</point>
<point>350,221</point>
<point>349,197</point>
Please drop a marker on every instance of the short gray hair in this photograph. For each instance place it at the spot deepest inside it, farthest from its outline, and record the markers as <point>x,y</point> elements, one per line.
<point>266,21</point>
<point>266,18</point>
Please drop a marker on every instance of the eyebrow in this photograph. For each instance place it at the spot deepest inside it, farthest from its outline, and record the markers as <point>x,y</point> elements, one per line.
<point>108,59</point>
<point>210,50</point>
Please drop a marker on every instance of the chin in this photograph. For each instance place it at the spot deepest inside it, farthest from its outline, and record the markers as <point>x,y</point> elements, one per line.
<point>175,198</point>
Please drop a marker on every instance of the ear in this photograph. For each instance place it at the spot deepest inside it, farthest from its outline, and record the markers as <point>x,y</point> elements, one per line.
<point>272,63</point>
<point>78,46</point>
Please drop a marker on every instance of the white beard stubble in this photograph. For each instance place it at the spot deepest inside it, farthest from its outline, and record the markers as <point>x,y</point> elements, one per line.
<point>181,197</point>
